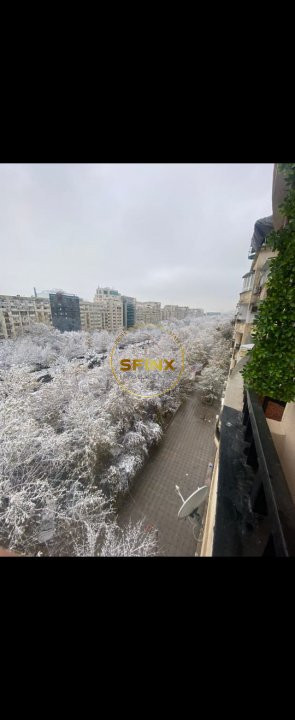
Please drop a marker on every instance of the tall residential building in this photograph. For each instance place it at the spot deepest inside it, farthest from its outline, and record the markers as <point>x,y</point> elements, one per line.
<point>253,289</point>
<point>105,292</point>
<point>18,313</point>
<point>65,311</point>
<point>148,312</point>
<point>174,312</point>
<point>111,301</point>
<point>129,311</point>
<point>251,505</point>
<point>93,316</point>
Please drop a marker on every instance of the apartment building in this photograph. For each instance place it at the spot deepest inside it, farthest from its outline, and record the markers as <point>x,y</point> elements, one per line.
<point>148,312</point>
<point>129,311</point>
<point>65,311</point>
<point>174,312</point>
<point>253,289</point>
<point>18,313</point>
<point>93,316</point>
<point>111,303</point>
<point>251,505</point>
<point>196,312</point>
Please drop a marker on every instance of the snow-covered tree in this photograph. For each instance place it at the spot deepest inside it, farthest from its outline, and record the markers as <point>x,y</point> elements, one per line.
<point>211,384</point>
<point>71,439</point>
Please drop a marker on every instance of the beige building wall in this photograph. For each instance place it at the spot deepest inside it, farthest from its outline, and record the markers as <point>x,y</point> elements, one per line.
<point>283,435</point>
<point>114,314</point>
<point>93,316</point>
<point>148,312</point>
<point>249,302</point>
<point>174,312</point>
<point>18,313</point>
<point>112,304</point>
<point>205,545</point>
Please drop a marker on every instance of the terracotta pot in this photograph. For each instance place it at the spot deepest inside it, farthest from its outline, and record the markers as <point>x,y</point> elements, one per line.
<point>273,409</point>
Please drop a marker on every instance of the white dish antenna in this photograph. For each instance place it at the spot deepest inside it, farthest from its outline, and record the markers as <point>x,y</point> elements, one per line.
<point>193,502</point>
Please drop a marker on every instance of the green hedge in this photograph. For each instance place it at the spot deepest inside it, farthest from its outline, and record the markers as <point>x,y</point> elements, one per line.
<point>271,367</point>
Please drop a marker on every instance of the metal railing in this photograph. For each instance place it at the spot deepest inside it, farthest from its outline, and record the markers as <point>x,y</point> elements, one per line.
<point>270,495</point>
<point>255,513</point>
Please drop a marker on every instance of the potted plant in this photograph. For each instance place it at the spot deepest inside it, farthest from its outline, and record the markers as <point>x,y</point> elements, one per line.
<point>273,409</point>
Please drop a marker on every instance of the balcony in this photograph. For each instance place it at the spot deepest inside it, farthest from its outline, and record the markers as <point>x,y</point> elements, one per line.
<point>255,514</point>
<point>245,297</point>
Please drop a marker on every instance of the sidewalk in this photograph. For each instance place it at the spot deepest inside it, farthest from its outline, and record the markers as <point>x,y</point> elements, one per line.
<point>181,459</point>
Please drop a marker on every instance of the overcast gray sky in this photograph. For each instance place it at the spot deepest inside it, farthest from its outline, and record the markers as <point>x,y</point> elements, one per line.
<point>175,233</point>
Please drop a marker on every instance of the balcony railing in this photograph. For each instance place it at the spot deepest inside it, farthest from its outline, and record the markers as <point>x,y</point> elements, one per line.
<point>255,514</point>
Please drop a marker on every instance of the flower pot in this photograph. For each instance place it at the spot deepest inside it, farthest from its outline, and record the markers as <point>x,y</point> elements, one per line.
<point>273,409</point>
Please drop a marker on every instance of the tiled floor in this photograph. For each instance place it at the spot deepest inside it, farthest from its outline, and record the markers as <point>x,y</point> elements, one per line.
<point>181,459</point>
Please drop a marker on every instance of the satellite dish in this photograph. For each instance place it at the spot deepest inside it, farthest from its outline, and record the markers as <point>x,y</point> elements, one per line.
<point>193,502</point>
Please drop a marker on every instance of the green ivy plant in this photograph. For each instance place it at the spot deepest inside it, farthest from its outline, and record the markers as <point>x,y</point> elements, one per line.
<point>271,368</point>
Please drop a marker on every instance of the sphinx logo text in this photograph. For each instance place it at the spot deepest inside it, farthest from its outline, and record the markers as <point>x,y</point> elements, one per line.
<point>148,364</point>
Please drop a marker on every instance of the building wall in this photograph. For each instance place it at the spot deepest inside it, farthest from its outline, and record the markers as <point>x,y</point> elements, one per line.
<point>283,435</point>
<point>111,302</point>
<point>148,312</point>
<point>105,292</point>
<point>114,314</point>
<point>196,312</point>
<point>129,311</point>
<point>65,312</point>
<point>18,313</point>
<point>174,312</point>
<point>93,316</point>
<point>282,432</point>
<point>253,291</point>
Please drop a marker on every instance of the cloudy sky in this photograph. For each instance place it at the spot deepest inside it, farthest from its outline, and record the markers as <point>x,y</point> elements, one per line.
<point>175,233</point>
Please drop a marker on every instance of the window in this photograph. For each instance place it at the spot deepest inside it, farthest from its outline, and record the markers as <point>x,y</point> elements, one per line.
<point>248,282</point>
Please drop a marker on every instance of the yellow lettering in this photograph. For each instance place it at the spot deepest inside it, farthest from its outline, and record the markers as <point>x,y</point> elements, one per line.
<point>169,364</point>
<point>155,365</point>
<point>125,365</point>
<point>136,364</point>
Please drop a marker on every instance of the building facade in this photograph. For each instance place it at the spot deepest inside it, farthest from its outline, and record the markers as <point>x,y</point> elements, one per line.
<point>129,311</point>
<point>65,311</point>
<point>18,313</point>
<point>196,312</point>
<point>253,289</point>
<point>111,303</point>
<point>148,312</point>
<point>174,312</point>
<point>251,506</point>
<point>93,316</point>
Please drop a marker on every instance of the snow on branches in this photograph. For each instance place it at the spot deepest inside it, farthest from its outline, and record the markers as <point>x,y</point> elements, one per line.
<point>71,440</point>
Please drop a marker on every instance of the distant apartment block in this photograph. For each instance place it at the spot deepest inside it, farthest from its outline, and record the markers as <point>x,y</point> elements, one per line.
<point>196,312</point>
<point>18,313</point>
<point>148,312</point>
<point>65,311</point>
<point>111,302</point>
<point>129,311</point>
<point>174,312</point>
<point>93,316</point>
<point>106,292</point>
